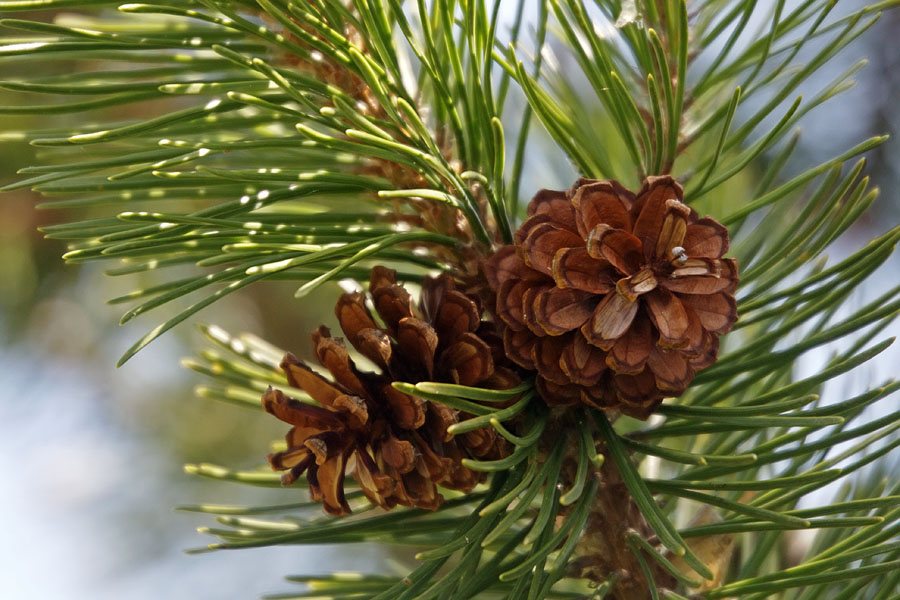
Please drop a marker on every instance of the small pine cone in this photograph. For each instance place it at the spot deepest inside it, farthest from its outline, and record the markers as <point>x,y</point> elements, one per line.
<point>616,299</point>
<point>396,446</point>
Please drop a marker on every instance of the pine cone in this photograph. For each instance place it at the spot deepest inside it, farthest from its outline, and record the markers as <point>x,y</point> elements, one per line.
<point>396,446</point>
<point>615,298</point>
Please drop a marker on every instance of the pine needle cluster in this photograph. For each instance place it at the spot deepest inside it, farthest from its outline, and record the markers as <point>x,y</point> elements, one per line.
<point>224,143</point>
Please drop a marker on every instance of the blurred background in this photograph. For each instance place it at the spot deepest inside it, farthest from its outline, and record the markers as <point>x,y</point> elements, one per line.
<point>91,457</point>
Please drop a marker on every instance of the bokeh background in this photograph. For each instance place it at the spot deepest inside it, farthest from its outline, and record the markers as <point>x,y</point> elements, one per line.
<point>91,457</point>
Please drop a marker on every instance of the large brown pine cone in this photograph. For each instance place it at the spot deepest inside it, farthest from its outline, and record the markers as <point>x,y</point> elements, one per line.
<point>615,298</point>
<point>396,446</point>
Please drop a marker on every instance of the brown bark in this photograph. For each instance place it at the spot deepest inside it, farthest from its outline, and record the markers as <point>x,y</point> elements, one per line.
<point>603,550</point>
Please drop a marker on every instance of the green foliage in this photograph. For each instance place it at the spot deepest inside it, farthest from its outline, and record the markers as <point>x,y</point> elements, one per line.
<point>304,141</point>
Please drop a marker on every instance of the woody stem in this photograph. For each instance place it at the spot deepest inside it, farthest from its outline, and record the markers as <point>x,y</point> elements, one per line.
<point>603,550</point>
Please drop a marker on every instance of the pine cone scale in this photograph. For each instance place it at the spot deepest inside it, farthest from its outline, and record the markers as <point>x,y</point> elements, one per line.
<point>417,342</point>
<point>630,352</point>
<point>320,389</point>
<point>670,368</point>
<point>582,363</point>
<point>701,276</point>
<point>717,312</point>
<point>335,358</point>
<point>611,319</point>
<point>576,268</point>
<point>598,204</point>
<point>518,345</point>
<point>375,345</point>
<point>542,243</point>
<point>468,360</point>
<point>546,354</point>
<point>353,316</point>
<point>560,310</point>
<point>304,415</point>
<point>556,207</point>
<point>651,207</point>
<point>619,248</point>
<point>330,481</point>
<point>706,238</point>
<point>669,317</point>
<point>407,412</point>
<point>458,315</point>
<point>642,282</point>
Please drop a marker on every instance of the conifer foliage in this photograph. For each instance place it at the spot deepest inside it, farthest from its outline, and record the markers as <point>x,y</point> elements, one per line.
<point>514,331</point>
